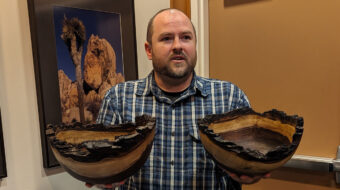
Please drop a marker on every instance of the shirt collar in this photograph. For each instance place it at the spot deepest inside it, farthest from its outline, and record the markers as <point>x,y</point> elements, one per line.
<point>148,86</point>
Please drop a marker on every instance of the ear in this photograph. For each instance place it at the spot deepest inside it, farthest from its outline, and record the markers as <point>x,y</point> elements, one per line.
<point>148,50</point>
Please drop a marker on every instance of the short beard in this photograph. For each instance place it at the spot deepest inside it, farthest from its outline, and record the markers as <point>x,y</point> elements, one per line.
<point>167,72</point>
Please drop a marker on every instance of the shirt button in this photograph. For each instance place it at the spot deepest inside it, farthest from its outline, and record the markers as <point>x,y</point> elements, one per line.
<point>173,133</point>
<point>172,162</point>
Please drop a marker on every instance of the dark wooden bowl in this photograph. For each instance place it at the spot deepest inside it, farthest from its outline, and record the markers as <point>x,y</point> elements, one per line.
<point>101,154</point>
<point>246,142</point>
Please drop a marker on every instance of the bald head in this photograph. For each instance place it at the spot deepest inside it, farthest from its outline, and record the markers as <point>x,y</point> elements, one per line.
<point>164,13</point>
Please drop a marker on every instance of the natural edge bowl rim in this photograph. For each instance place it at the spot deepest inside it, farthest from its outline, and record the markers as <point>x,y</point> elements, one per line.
<point>122,144</point>
<point>145,128</point>
<point>252,155</point>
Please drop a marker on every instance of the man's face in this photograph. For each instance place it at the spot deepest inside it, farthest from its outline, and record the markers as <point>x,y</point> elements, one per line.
<point>173,49</point>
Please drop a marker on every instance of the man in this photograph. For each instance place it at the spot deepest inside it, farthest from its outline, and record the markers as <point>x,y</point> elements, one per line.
<point>176,97</point>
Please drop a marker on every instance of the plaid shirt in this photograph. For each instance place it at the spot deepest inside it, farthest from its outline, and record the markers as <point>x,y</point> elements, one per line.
<point>177,159</point>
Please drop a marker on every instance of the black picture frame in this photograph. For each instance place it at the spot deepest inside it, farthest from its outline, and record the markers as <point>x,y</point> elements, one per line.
<point>3,167</point>
<point>45,61</point>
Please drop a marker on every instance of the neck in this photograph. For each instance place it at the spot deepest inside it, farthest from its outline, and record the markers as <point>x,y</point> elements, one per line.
<point>168,84</point>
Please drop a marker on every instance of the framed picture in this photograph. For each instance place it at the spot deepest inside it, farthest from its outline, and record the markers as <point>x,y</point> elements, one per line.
<point>3,169</point>
<point>80,49</point>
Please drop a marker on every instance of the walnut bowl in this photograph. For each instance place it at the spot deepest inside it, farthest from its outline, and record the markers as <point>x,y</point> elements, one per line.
<point>100,154</point>
<point>249,143</point>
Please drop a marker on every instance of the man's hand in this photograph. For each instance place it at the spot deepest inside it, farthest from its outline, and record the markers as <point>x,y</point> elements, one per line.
<point>243,179</point>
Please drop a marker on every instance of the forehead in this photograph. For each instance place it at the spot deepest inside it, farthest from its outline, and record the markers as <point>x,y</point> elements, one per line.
<point>172,21</point>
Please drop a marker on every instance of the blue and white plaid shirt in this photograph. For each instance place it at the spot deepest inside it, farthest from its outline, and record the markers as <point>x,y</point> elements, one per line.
<point>177,159</point>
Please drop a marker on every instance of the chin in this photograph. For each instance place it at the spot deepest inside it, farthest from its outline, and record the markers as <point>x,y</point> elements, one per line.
<point>180,73</point>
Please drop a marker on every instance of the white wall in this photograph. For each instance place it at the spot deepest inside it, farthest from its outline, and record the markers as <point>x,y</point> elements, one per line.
<point>144,10</point>
<point>200,19</point>
<point>18,100</point>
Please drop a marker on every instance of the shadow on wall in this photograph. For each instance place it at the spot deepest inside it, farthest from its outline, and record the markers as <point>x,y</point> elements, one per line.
<point>228,3</point>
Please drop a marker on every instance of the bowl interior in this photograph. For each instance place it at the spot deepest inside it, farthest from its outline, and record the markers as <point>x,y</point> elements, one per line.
<point>80,136</point>
<point>254,132</point>
<point>255,138</point>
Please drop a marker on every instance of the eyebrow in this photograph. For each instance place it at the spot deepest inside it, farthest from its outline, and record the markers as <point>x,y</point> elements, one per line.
<point>170,33</point>
<point>187,32</point>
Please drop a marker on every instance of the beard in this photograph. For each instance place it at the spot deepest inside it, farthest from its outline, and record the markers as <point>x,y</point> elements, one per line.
<point>174,70</point>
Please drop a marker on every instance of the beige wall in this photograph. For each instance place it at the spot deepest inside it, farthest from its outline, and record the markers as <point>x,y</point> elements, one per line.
<point>18,100</point>
<point>284,54</point>
<point>183,5</point>
<point>144,10</point>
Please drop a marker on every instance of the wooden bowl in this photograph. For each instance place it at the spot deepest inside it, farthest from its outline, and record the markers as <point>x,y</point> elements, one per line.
<point>249,143</point>
<point>101,154</point>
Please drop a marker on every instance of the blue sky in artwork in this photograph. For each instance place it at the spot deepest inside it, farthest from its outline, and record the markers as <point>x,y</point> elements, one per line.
<point>105,25</point>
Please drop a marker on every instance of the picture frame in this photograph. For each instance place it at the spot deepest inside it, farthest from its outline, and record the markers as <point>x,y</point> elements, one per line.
<point>3,167</point>
<point>45,36</point>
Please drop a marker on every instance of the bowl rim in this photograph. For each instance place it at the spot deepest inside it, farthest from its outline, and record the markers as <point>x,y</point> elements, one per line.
<point>275,155</point>
<point>97,150</point>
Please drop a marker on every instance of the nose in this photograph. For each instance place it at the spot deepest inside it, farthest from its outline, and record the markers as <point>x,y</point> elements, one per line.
<point>177,46</point>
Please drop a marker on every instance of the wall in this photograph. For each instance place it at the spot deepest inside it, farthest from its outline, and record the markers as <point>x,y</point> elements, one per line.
<point>284,54</point>
<point>18,97</point>
<point>183,5</point>
<point>145,9</point>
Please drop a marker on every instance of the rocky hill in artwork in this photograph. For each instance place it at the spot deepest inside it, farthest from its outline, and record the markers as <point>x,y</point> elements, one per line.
<point>99,76</point>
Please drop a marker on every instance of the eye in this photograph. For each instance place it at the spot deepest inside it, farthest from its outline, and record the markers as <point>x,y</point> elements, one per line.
<point>166,38</point>
<point>187,37</point>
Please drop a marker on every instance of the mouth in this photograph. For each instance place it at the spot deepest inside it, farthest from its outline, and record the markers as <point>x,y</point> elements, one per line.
<point>178,58</point>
